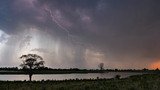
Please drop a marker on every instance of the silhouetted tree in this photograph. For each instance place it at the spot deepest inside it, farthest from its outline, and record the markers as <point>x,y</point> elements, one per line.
<point>101,66</point>
<point>30,62</point>
<point>157,69</point>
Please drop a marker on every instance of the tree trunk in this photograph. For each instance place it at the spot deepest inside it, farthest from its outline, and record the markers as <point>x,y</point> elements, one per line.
<point>30,77</point>
<point>30,73</point>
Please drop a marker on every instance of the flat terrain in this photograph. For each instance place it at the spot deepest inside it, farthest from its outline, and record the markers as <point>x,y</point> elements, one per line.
<point>138,82</point>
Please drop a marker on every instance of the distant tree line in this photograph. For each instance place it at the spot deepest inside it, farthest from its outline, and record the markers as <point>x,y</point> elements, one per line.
<point>9,68</point>
<point>74,69</point>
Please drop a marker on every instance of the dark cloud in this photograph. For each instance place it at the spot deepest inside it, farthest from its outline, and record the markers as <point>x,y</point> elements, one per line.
<point>122,30</point>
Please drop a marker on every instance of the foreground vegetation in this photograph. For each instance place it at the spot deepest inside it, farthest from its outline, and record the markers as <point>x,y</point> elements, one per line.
<point>138,82</point>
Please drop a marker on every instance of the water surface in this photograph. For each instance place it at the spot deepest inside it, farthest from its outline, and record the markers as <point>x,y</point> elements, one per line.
<point>68,76</point>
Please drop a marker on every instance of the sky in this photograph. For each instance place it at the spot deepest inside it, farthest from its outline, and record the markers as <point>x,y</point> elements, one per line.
<point>122,34</point>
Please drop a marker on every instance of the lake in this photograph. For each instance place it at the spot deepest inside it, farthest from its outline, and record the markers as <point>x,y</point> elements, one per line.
<point>67,76</point>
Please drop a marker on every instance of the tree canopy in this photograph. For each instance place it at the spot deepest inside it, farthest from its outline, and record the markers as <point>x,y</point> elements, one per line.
<point>32,61</point>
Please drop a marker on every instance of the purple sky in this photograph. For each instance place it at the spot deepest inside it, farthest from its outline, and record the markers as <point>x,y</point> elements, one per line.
<point>81,33</point>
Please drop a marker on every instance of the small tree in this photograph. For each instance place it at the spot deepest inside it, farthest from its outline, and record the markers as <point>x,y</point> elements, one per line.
<point>101,66</point>
<point>30,62</point>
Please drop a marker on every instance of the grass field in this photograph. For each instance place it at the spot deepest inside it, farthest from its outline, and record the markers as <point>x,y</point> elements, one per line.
<point>138,82</point>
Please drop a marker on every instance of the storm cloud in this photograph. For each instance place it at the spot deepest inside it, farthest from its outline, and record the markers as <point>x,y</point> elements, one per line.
<point>81,33</point>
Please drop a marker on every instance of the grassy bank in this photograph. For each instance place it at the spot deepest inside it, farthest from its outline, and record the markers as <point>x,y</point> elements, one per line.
<point>138,82</point>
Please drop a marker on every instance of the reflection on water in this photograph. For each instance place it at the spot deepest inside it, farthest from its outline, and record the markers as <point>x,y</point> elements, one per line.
<point>67,76</point>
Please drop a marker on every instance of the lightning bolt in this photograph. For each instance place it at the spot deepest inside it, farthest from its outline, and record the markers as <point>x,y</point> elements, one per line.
<point>56,22</point>
<point>70,37</point>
